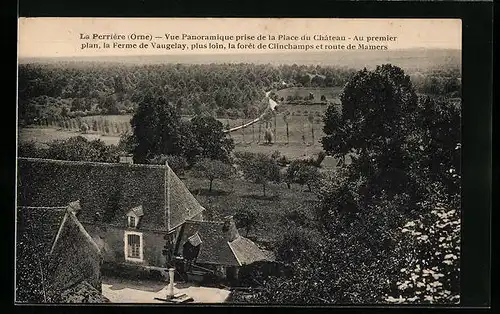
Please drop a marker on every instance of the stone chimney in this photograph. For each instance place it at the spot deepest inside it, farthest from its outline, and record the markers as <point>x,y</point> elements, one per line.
<point>229,228</point>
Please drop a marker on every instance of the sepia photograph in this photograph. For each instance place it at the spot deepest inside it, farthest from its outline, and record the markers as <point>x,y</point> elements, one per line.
<point>238,161</point>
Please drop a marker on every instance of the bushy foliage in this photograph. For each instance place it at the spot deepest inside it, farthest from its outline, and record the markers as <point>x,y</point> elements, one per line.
<point>246,218</point>
<point>432,273</point>
<point>76,148</point>
<point>156,127</point>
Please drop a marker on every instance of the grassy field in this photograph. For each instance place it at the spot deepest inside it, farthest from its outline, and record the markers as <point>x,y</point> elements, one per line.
<point>275,209</point>
<point>245,140</point>
<point>300,141</point>
<point>45,135</point>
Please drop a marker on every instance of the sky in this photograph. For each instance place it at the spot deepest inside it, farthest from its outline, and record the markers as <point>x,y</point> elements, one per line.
<point>62,37</point>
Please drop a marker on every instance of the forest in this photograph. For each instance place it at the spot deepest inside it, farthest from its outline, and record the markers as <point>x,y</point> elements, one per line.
<point>71,89</point>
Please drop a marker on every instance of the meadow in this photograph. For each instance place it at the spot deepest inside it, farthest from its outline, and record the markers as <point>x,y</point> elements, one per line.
<point>300,130</point>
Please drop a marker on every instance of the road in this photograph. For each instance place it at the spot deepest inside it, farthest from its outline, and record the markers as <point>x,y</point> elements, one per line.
<point>271,106</point>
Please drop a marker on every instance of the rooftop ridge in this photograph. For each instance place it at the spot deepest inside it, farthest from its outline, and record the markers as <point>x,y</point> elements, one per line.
<point>59,208</point>
<point>205,221</point>
<point>95,163</point>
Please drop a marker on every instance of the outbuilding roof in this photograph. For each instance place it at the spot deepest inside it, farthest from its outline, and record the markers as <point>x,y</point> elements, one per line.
<point>214,245</point>
<point>53,253</point>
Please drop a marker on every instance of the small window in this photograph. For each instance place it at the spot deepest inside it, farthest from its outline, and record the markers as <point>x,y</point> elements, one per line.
<point>134,246</point>
<point>131,221</point>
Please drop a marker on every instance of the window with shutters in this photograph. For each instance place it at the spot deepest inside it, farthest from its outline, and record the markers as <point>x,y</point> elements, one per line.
<point>133,246</point>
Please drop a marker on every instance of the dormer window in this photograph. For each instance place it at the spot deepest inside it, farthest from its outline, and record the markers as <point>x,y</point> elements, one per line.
<point>133,216</point>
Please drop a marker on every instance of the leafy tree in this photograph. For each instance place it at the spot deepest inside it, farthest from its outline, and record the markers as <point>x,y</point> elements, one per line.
<point>156,125</point>
<point>261,169</point>
<point>211,139</point>
<point>431,273</point>
<point>246,218</point>
<point>212,170</point>
<point>378,114</point>
<point>302,172</point>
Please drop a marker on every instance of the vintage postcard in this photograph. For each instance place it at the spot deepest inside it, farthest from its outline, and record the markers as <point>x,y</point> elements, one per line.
<point>238,160</point>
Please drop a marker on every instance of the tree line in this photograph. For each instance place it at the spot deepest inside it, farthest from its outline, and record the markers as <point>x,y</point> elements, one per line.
<point>67,89</point>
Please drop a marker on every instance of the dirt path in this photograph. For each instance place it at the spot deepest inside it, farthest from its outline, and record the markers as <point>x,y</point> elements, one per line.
<point>135,291</point>
<point>270,107</point>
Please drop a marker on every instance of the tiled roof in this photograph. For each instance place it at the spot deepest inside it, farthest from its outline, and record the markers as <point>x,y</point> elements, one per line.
<point>215,248</point>
<point>246,251</point>
<point>138,211</point>
<point>75,258</point>
<point>82,293</point>
<point>110,189</point>
<point>53,251</point>
<point>38,226</point>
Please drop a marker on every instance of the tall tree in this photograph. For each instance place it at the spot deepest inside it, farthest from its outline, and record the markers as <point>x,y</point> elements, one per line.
<point>378,114</point>
<point>156,125</point>
<point>212,141</point>
<point>302,172</point>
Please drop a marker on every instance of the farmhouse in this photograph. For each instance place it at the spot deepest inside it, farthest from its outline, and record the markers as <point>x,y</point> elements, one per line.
<point>137,214</point>
<point>56,259</point>
<point>131,211</point>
